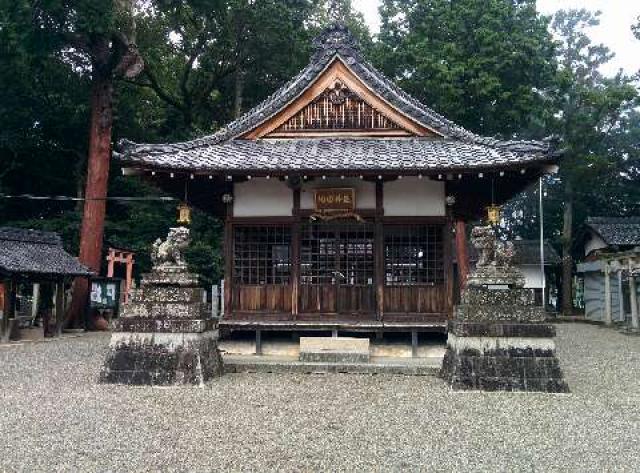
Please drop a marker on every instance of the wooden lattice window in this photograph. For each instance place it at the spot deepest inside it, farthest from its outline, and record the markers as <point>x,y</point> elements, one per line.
<point>337,254</point>
<point>338,108</point>
<point>414,255</point>
<point>262,255</point>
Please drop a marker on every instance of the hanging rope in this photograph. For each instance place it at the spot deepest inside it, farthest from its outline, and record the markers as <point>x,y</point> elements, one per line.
<point>64,198</point>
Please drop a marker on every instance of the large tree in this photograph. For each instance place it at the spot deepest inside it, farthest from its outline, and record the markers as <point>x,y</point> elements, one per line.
<point>483,63</point>
<point>591,116</point>
<point>597,123</point>
<point>209,61</point>
<point>97,40</point>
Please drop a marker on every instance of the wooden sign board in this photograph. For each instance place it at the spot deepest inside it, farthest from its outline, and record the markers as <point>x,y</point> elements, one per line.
<point>327,200</point>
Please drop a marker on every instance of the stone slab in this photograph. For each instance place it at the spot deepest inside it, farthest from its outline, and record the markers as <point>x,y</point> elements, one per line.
<point>497,329</point>
<point>334,349</point>
<point>275,365</point>
<point>134,324</point>
<point>499,313</point>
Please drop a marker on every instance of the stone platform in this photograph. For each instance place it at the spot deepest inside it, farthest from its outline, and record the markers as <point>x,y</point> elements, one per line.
<point>334,349</point>
<point>498,339</point>
<point>165,335</point>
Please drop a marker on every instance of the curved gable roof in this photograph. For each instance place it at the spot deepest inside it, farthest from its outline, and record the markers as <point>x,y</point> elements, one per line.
<point>335,43</point>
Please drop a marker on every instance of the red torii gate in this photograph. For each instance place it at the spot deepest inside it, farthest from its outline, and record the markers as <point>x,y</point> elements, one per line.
<point>116,255</point>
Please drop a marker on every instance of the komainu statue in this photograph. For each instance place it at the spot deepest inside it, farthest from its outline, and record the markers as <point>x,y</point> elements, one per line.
<point>492,251</point>
<point>169,252</point>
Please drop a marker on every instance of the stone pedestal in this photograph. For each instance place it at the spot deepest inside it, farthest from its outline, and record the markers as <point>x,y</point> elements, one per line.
<point>498,339</point>
<point>164,335</point>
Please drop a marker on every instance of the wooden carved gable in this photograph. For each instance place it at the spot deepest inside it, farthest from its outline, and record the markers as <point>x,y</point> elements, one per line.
<point>338,108</point>
<point>338,103</point>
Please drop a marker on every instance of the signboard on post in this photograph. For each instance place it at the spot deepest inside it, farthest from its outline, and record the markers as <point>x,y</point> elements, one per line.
<point>335,200</point>
<point>105,293</point>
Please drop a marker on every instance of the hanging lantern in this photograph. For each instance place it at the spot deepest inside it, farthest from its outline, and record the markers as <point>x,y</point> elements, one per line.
<point>184,214</point>
<point>493,214</point>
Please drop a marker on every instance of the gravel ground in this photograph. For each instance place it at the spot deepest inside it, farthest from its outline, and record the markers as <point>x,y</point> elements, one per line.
<point>54,417</point>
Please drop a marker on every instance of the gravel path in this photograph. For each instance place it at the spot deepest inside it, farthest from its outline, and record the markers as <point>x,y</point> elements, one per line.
<point>54,417</point>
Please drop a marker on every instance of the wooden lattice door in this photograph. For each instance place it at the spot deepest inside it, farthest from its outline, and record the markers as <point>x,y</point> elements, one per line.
<point>337,269</point>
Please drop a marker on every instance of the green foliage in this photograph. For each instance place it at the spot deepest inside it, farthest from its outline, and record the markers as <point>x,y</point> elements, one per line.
<point>596,120</point>
<point>482,63</point>
<point>200,55</point>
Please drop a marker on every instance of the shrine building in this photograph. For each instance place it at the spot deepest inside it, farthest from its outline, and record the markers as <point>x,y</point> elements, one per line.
<point>340,195</point>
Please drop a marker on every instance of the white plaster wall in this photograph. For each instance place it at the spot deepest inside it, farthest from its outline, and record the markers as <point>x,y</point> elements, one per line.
<point>261,197</point>
<point>365,191</point>
<point>532,276</point>
<point>413,197</point>
<point>594,243</point>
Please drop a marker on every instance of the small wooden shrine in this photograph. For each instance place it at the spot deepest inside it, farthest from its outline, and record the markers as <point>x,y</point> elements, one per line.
<point>340,193</point>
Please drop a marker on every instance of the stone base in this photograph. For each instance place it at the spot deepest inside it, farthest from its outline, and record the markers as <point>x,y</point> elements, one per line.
<point>502,357</point>
<point>162,359</point>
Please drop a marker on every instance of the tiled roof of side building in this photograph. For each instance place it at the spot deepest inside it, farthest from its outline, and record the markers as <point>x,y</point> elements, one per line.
<point>336,41</point>
<point>36,252</point>
<point>618,231</point>
<point>527,252</point>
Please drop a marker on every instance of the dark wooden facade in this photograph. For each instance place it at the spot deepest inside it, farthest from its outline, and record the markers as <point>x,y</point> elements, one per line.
<point>376,268</point>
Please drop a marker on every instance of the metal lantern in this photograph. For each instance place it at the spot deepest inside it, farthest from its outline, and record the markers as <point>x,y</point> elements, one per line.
<point>493,214</point>
<point>184,214</point>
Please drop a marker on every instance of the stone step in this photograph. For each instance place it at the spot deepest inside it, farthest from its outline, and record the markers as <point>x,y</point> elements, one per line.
<point>334,350</point>
<point>289,365</point>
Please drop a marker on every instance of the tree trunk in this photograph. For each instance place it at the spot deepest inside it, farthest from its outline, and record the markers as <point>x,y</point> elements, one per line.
<point>567,259</point>
<point>238,96</point>
<point>92,232</point>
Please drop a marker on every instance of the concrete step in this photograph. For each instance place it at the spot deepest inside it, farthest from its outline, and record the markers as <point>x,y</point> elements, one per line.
<point>334,350</point>
<point>289,365</point>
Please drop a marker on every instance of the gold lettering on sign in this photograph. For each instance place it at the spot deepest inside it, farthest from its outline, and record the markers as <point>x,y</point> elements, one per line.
<point>327,200</point>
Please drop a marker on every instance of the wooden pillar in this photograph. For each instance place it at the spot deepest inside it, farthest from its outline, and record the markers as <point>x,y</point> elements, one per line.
<point>633,293</point>
<point>110,262</point>
<point>414,343</point>
<point>620,294</point>
<point>462,252</point>
<point>59,308</point>
<point>7,310</point>
<point>129,276</point>
<point>227,288</point>
<point>295,255</point>
<point>35,300</point>
<point>448,265</point>
<point>379,250</point>
<point>228,267</point>
<point>607,294</point>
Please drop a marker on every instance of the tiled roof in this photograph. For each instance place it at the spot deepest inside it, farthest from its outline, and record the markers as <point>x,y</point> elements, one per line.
<point>336,154</point>
<point>527,252</point>
<point>617,231</point>
<point>336,42</point>
<point>36,252</point>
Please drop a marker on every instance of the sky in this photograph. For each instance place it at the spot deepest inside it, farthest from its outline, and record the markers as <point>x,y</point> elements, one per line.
<point>614,30</point>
